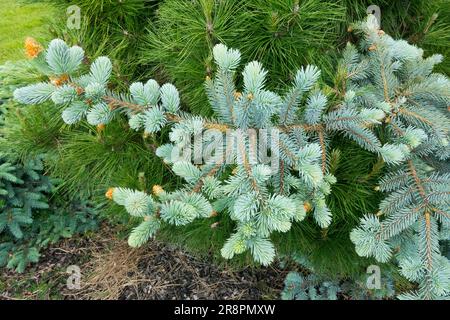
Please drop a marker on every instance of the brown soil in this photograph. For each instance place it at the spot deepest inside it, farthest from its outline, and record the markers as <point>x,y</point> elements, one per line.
<point>110,269</point>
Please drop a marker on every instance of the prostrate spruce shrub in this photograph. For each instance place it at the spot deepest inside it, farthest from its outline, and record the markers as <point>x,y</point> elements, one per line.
<point>112,158</point>
<point>29,222</point>
<point>108,153</point>
<point>414,216</point>
<point>309,285</point>
<point>222,93</point>
<point>386,99</point>
<point>282,35</point>
<point>23,191</point>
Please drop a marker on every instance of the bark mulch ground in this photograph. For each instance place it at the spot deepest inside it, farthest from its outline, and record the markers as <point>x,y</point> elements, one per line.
<point>110,269</point>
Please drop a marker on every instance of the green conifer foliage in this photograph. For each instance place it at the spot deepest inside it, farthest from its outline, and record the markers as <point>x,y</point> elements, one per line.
<point>24,191</point>
<point>110,156</point>
<point>150,106</point>
<point>307,284</point>
<point>283,38</point>
<point>386,99</point>
<point>414,216</point>
<point>29,220</point>
<point>178,47</point>
<point>280,34</point>
<point>112,26</point>
<point>424,23</point>
<point>283,35</point>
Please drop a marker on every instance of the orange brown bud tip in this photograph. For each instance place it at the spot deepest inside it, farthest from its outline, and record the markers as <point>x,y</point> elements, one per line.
<point>372,47</point>
<point>79,91</point>
<point>237,95</point>
<point>235,170</point>
<point>379,213</point>
<point>157,190</point>
<point>350,29</point>
<point>380,32</point>
<point>32,48</point>
<point>208,78</point>
<point>307,206</point>
<point>250,96</point>
<point>214,214</point>
<point>57,81</point>
<point>216,126</point>
<point>214,225</point>
<point>109,193</point>
<point>101,127</point>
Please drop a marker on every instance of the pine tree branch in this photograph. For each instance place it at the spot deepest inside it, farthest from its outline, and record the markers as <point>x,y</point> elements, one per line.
<point>397,129</point>
<point>415,115</point>
<point>288,152</point>
<point>409,192</point>
<point>306,127</point>
<point>434,180</point>
<point>385,84</point>
<point>281,177</point>
<point>418,182</point>
<point>290,105</point>
<point>324,151</point>
<point>210,173</point>
<point>438,211</point>
<point>399,178</point>
<point>428,243</point>
<point>208,125</point>
<point>116,103</point>
<point>388,228</point>
<point>229,102</point>
<point>438,193</point>
<point>248,168</point>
